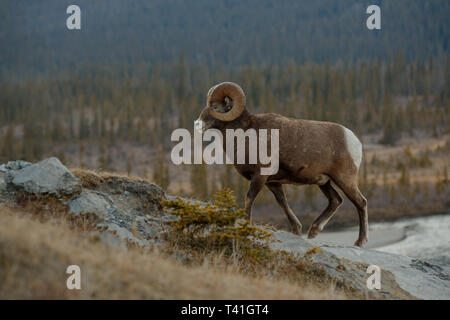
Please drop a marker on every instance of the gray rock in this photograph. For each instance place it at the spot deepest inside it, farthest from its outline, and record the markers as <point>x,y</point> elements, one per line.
<point>91,202</point>
<point>125,235</point>
<point>2,184</point>
<point>164,219</point>
<point>2,190</point>
<point>146,228</point>
<point>112,240</point>
<point>48,177</point>
<point>14,165</point>
<point>420,279</point>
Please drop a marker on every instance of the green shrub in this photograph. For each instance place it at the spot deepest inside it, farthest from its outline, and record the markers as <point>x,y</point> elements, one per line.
<point>217,226</point>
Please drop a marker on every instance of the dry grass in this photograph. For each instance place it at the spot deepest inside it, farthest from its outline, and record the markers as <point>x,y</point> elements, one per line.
<point>94,178</point>
<point>34,257</point>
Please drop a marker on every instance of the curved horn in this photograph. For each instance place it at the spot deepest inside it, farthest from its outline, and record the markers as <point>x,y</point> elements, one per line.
<point>227,89</point>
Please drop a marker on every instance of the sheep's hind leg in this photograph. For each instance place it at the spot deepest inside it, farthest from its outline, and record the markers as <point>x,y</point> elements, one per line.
<point>351,190</point>
<point>334,201</point>
<point>280,196</point>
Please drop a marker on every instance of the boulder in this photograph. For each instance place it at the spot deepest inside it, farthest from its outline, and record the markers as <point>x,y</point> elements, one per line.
<point>91,202</point>
<point>48,177</point>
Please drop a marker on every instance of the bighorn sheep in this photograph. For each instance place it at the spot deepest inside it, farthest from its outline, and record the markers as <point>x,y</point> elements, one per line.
<point>310,152</point>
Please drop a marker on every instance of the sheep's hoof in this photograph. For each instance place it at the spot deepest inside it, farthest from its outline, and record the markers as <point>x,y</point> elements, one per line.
<point>296,229</point>
<point>313,231</point>
<point>361,242</point>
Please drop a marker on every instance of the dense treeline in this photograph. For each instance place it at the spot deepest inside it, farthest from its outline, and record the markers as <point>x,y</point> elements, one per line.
<point>144,107</point>
<point>34,38</point>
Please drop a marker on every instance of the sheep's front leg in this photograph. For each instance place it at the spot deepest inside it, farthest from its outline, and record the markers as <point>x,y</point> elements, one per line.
<point>280,196</point>
<point>256,184</point>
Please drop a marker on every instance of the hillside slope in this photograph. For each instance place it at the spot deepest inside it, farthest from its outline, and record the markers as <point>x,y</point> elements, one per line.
<point>120,212</point>
<point>33,266</point>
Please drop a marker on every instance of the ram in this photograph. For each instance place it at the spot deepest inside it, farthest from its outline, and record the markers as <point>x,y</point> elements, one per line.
<point>310,152</point>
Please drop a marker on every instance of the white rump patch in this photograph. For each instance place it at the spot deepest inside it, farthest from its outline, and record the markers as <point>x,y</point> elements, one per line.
<point>354,146</point>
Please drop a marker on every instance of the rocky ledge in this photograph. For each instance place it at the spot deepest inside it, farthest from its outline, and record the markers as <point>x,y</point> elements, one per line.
<point>129,211</point>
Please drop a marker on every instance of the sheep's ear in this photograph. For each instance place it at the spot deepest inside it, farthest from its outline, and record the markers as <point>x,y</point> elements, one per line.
<point>228,103</point>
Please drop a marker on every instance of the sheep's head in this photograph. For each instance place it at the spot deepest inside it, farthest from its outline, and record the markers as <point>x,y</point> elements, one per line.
<point>225,102</point>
